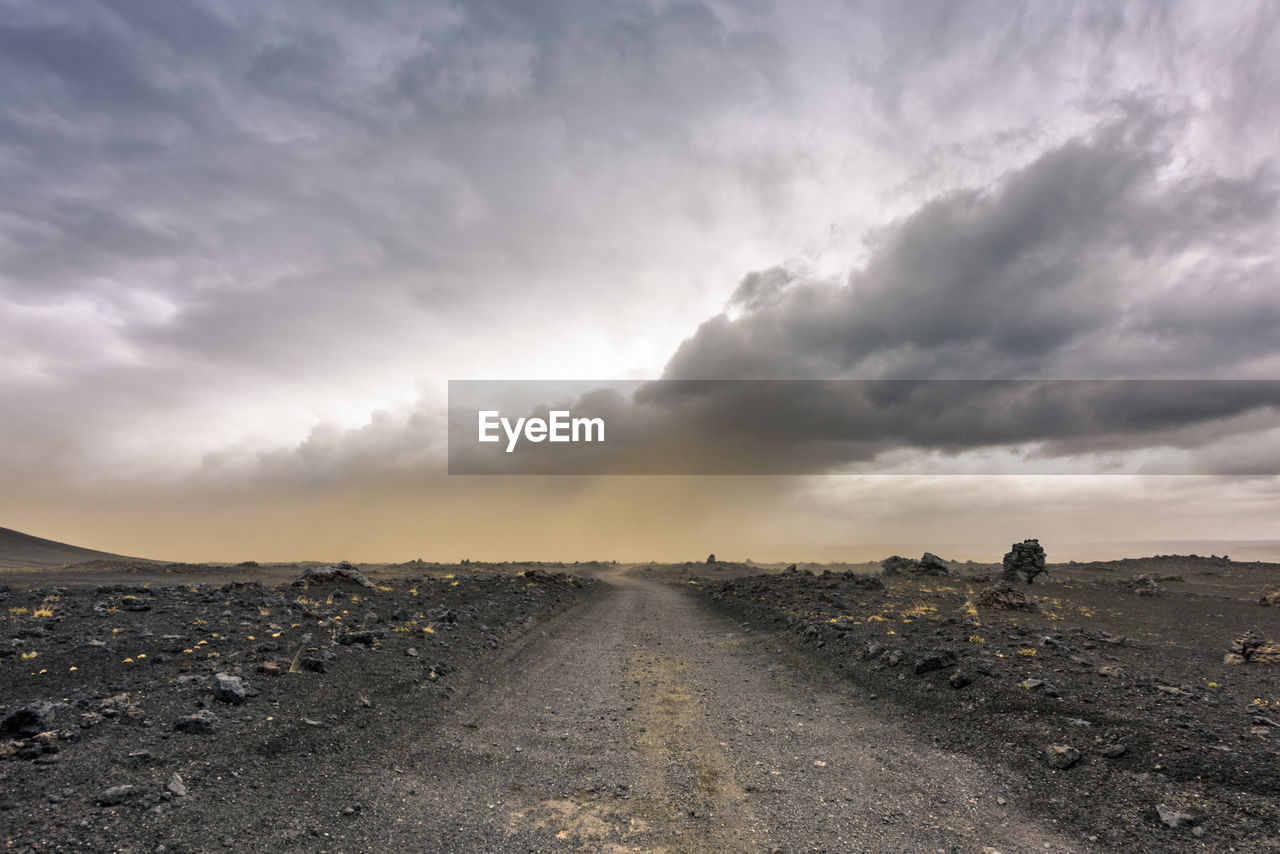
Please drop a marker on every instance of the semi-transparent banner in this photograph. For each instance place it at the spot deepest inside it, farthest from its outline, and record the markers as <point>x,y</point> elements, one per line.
<point>757,427</point>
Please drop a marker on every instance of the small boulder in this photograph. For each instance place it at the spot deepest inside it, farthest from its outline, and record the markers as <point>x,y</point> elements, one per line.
<point>938,659</point>
<point>114,796</point>
<point>343,573</point>
<point>1061,756</point>
<point>202,722</point>
<point>1270,599</point>
<point>176,787</point>
<point>1003,597</point>
<point>30,719</point>
<point>1267,653</point>
<point>1145,585</point>
<point>928,564</point>
<point>931,564</point>
<point>897,565</point>
<point>228,689</point>
<point>1175,818</point>
<point>1252,648</point>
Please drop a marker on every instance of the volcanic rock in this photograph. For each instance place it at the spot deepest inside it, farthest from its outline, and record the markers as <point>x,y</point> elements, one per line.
<point>331,575</point>
<point>114,796</point>
<point>1003,597</point>
<point>1061,756</point>
<point>938,659</point>
<point>1024,561</point>
<point>30,719</point>
<point>1253,648</point>
<point>898,565</point>
<point>931,564</point>
<point>203,722</point>
<point>928,564</point>
<point>228,689</point>
<point>1175,818</point>
<point>176,786</point>
<point>1145,585</point>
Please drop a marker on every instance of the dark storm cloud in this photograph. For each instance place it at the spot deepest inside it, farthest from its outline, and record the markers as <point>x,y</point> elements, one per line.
<point>1097,260</point>
<point>217,213</point>
<point>213,198</point>
<point>212,137</point>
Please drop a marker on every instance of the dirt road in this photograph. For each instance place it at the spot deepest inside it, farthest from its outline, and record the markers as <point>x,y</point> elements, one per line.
<point>636,721</point>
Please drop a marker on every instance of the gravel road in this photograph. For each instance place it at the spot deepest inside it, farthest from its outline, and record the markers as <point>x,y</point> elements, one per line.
<point>638,721</point>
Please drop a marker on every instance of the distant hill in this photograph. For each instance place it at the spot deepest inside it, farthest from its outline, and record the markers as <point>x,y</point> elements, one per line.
<point>23,550</point>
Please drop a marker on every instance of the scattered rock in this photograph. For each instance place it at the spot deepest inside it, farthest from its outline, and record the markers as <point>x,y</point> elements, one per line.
<point>1270,599</point>
<point>365,637</point>
<point>938,659</point>
<point>1268,653</point>
<point>114,795</point>
<point>343,572</point>
<point>1024,562</point>
<point>228,689</point>
<point>541,576</point>
<point>928,564</point>
<point>897,565</point>
<point>1175,818</point>
<point>1003,597</point>
<point>1114,751</point>
<point>30,719</point>
<point>1062,756</point>
<point>1145,585</point>
<point>316,661</point>
<point>203,722</point>
<point>1253,648</point>
<point>1046,688</point>
<point>931,564</point>
<point>176,786</point>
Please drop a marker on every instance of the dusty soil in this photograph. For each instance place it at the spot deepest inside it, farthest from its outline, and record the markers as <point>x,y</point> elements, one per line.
<point>335,676</point>
<point>627,711</point>
<point>1128,673</point>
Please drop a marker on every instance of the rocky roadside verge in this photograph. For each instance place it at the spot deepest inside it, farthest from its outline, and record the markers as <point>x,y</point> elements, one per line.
<point>1097,718</point>
<point>199,718</point>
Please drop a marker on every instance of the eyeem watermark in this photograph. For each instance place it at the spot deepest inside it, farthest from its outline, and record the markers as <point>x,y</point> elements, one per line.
<point>764,427</point>
<point>558,426</point>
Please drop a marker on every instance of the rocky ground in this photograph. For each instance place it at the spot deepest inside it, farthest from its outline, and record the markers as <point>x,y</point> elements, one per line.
<point>1128,706</point>
<point>142,714</point>
<point>1136,701</point>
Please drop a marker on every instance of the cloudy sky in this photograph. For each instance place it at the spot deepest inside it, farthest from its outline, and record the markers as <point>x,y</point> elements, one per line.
<point>245,246</point>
